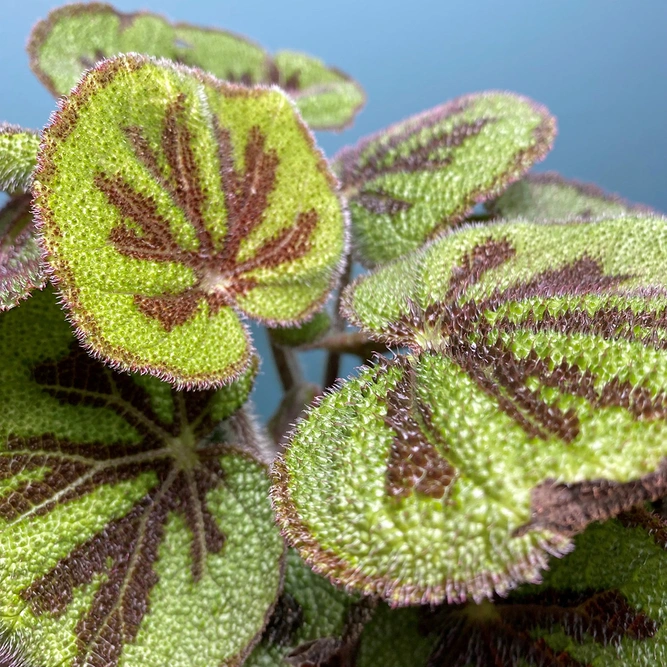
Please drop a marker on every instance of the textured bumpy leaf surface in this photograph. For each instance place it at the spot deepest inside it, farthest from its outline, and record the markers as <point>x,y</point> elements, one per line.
<point>604,605</point>
<point>423,175</point>
<point>171,204</point>
<point>127,535</point>
<point>75,37</point>
<point>18,157</point>
<point>20,262</point>
<point>534,402</point>
<point>310,613</point>
<point>551,197</point>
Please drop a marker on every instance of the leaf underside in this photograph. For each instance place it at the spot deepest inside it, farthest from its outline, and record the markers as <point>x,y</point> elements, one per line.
<point>75,37</point>
<point>533,402</point>
<point>422,176</point>
<point>128,535</point>
<point>172,205</point>
<point>549,196</point>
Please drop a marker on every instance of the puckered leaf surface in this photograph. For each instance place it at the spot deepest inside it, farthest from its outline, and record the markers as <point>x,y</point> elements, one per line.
<point>18,157</point>
<point>128,536</point>
<point>423,175</point>
<point>75,37</point>
<point>535,401</point>
<point>171,204</point>
<point>20,261</point>
<point>549,196</point>
<point>310,611</point>
<point>604,605</point>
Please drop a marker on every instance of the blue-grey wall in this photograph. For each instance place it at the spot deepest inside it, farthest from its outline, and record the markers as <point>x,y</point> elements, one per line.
<point>599,65</point>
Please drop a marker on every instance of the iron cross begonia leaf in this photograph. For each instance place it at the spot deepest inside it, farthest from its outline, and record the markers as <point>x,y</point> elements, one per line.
<point>128,535</point>
<point>75,37</point>
<point>422,176</point>
<point>534,402</point>
<point>309,610</point>
<point>20,262</point>
<point>601,606</point>
<point>172,204</point>
<point>549,196</point>
<point>18,157</point>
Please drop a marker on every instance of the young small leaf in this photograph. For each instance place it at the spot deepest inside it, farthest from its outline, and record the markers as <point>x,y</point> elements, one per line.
<point>18,157</point>
<point>423,175</point>
<point>535,402</point>
<point>171,204</point>
<point>128,534</point>
<point>75,37</point>
<point>20,261</point>
<point>551,197</point>
<point>309,609</point>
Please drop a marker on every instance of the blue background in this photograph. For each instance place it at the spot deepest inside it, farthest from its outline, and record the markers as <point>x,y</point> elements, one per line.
<point>599,65</point>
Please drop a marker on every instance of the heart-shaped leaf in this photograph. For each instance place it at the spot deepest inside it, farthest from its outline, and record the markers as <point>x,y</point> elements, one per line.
<point>535,402</point>
<point>20,259</point>
<point>422,176</point>
<point>75,37</point>
<point>18,157</point>
<point>127,534</point>
<point>171,204</point>
<point>551,197</point>
<point>310,610</point>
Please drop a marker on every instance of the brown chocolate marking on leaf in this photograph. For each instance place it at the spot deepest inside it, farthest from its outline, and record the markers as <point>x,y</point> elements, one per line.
<point>284,623</point>
<point>423,158</point>
<point>220,276</point>
<point>501,632</point>
<point>569,508</point>
<point>455,322</point>
<point>652,522</point>
<point>382,203</point>
<point>336,651</point>
<point>125,550</point>
<point>414,464</point>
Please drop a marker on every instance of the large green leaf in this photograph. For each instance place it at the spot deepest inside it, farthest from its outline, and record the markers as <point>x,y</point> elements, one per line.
<point>604,605</point>
<point>127,534</point>
<point>18,157</point>
<point>422,176</point>
<point>75,37</point>
<point>20,259</point>
<point>171,204</point>
<point>534,402</point>
<point>551,197</point>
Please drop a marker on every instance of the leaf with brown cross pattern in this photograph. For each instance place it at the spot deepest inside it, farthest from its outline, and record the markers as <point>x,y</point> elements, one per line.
<point>533,402</point>
<point>133,526</point>
<point>77,36</point>
<point>421,177</point>
<point>172,205</point>
<point>602,605</point>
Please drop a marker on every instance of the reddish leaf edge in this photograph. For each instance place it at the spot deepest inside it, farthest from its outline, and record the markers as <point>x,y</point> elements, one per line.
<point>342,574</point>
<point>61,121</point>
<point>41,30</point>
